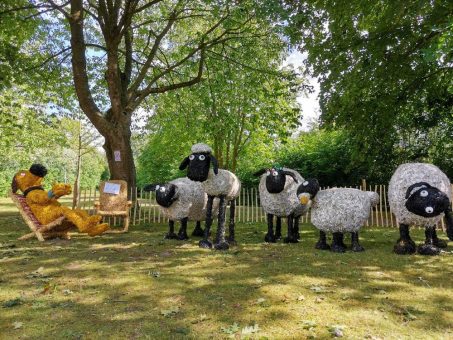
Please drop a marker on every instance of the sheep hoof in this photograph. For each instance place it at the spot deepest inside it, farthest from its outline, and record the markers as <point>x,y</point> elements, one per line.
<point>290,240</point>
<point>403,247</point>
<point>357,248</point>
<point>270,238</point>
<point>198,232</point>
<point>183,237</point>
<point>222,246</point>
<point>298,236</point>
<point>428,249</point>
<point>170,236</point>
<point>440,243</point>
<point>322,246</point>
<point>205,244</point>
<point>337,248</point>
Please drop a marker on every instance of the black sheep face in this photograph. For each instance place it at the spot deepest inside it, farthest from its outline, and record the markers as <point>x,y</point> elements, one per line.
<point>275,180</point>
<point>166,194</point>
<point>425,200</point>
<point>198,166</point>
<point>309,186</point>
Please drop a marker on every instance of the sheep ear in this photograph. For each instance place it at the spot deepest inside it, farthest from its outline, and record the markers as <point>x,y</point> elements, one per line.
<point>14,186</point>
<point>150,187</point>
<point>215,164</point>
<point>289,173</point>
<point>418,185</point>
<point>260,172</point>
<point>184,163</point>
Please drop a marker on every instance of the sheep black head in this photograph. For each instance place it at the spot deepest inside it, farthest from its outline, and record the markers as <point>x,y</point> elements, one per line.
<point>198,163</point>
<point>166,193</point>
<point>307,190</point>
<point>425,200</point>
<point>276,178</point>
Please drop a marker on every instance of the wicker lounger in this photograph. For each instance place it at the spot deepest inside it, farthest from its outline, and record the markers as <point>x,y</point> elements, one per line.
<point>58,228</point>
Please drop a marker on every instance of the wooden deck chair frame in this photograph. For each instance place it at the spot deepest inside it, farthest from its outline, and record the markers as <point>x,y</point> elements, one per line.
<point>118,206</point>
<point>41,232</point>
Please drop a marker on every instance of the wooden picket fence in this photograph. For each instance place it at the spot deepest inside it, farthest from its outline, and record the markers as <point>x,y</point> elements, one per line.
<point>248,208</point>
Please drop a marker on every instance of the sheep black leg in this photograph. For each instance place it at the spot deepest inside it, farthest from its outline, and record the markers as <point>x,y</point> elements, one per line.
<point>404,245</point>
<point>296,228</point>
<point>204,243</point>
<point>231,239</point>
<point>182,234</point>
<point>428,248</point>
<point>355,242</point>
<point>322,242</point>
<point>437,241</point>
<point>270,237</point>
<point>337,243</point>
<point>171,231</point>
<point>198,231</point>
<point>278,228</point>
<point>220,242</point>
<point>291,238</point>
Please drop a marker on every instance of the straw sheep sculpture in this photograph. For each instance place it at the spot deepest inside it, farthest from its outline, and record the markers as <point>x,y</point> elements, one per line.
<point>216,183</point>
<point>420,194</point>
<point>337,210</point>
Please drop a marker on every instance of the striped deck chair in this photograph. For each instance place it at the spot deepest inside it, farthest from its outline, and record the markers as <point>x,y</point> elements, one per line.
<point>58,228</point>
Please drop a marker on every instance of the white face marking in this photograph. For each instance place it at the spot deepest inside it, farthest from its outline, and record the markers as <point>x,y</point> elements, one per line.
<point>423,193</point>
<point>305,183</point>
<point>429,210</point>
<point>201,157</point>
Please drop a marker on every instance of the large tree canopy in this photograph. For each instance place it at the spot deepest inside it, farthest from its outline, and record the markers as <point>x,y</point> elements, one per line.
<point>385,69</point>
<point>125,52</point>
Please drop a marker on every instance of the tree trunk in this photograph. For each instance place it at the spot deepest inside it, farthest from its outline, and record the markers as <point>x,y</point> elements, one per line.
<point>118,151</point>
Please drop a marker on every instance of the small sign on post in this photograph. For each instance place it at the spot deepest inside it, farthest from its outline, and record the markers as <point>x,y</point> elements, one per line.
<point>117,155</point>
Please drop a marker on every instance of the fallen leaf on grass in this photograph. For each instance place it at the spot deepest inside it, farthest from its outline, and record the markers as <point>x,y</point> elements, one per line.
<point>17,324</point>
<point>154,274</point>
<point>230,329</point>
<point>308,324</point>
<point>317,289</point>
<point>319,299</point>
<point>336,330</point>
<point>169,312</point>
<point>300,298</point>
<point>250,329</point>
<point>67,291</point>
<point>201,318</point>
<point>12,303</point>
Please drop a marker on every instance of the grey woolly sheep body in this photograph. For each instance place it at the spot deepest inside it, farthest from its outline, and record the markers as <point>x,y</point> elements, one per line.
<point>337,210</point>
<point>284,203</point>
<point>190,203</point>
<point>181,200</point>
<point>224,183</point>
<point>278,197</point>
<point>342,209</point>
<point>420,194</point>
<point>406,175</point>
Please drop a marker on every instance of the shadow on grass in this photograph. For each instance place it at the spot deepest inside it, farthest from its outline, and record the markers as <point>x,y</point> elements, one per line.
<point>136,285</point>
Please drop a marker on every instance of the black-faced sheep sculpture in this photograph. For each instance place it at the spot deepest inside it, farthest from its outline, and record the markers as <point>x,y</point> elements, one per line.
<point>278,197</point>
<point>216,183</point>
<point>337,210</point>
<point>181,200</point>
<point>420,194</point>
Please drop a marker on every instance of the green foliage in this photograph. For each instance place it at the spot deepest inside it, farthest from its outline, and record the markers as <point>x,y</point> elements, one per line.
<point>386,73</point>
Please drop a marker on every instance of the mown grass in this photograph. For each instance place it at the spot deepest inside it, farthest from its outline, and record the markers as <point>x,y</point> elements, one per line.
<point>137,286</point>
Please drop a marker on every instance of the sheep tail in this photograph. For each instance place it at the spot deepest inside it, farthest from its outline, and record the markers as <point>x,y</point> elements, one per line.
<point>449,220</point>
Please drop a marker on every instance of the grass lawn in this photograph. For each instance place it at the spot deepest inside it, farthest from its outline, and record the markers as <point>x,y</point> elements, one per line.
<point>137,286</point>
